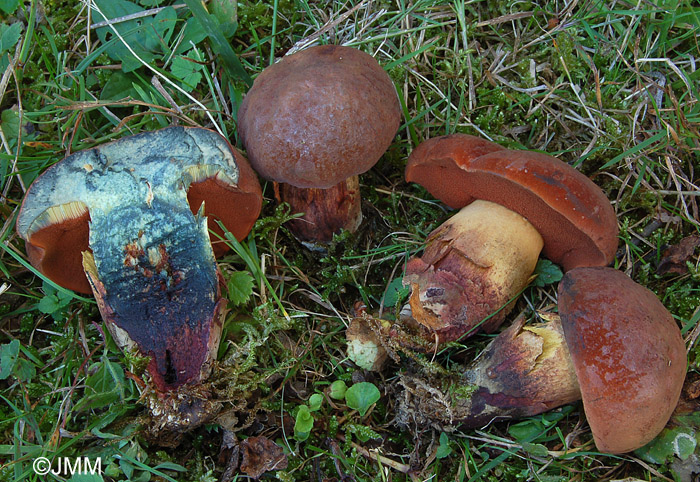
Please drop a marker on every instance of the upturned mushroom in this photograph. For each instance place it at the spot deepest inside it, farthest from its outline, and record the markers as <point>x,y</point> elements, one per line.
<point>513,204</point>
<point>128,221</point>
<point>312,122</point>
<point>615,346</point>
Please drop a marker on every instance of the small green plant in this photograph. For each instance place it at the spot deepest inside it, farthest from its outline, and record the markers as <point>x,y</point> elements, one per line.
<point>444,449</point>
<point>240,287</point>
<point>361,396</point>
<point>9,36</point>
<point>677,441</point>
<point>9,6</point>
<point>337,390</point>
<point>54,302</point>
<point>12,363</point>
<point>304,423</point>
<point>395,293</point>
<point>304,420</point>
<point>547,273</point>
<point>146,38</point>
<point>8,358</point>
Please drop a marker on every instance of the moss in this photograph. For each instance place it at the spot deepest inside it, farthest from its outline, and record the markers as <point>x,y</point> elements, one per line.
<point>38,391</point>
<point>683,299</point>
<point>463,392</point>
<point>27,323</point>
<point>362,432</point>
<point>565,58</point>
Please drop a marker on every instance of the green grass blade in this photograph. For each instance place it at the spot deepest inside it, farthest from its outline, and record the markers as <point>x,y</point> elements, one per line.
<point>219,43</point>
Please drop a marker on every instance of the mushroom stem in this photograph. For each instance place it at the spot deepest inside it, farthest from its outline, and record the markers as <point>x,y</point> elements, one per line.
<point>364,345</point>
<point>472,266</point>
<point>158,291</point>
<point>326,211</point>
<point>524,371</point>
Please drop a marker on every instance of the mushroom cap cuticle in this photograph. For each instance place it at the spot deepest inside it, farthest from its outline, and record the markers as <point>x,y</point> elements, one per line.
<point>319,116</point>
<point>628,352</point>
<point>573,215</point>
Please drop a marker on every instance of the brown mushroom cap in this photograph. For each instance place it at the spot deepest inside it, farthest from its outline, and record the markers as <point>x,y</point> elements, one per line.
<point>55,248</point>
<point>319,116</point>
<point>628,353</point>
<point>573,215</point>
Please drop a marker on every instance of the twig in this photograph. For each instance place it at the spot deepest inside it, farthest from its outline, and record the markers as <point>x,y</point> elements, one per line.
<point>159,87</point>
<point>505,18</point>
<point>375,455</point>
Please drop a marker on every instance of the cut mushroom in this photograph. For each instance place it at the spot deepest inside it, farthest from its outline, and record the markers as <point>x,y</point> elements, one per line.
<point>120,213</point>
<point>462,276</point>
<point>615,346</point>
<point>314,121</point>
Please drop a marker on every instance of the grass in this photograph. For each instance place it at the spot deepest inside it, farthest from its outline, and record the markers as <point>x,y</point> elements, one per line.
<point>610,87</point>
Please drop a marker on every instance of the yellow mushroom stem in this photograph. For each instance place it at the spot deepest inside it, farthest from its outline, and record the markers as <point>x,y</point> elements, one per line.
<point>472,268</point>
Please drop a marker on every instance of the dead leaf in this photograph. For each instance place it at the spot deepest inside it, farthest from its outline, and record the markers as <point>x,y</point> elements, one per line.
<point>673,259</point>
<point>229,454</point>
<point>261,455</point>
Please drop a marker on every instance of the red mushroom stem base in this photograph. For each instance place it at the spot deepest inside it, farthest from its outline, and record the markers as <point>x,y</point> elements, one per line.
<point>473,265</point>
<point>326,211</point>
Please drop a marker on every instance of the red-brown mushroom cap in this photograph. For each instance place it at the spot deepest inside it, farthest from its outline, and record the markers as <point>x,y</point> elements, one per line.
<point>628,353</point>
<point>573,215</point>
<point>319,116</point>
<point>55,248</point>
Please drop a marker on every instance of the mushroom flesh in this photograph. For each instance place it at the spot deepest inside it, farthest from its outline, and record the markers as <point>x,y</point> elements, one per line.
<point>120,212</point>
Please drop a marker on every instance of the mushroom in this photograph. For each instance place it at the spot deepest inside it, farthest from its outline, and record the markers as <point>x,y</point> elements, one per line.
<point>513,203</point>
<point>312,122</point>
<point>120,213</point>
<point>628,352</point>
<point>615,346</point>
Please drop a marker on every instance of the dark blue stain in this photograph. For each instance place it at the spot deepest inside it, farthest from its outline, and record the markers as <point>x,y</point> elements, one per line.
<point>159,275</point>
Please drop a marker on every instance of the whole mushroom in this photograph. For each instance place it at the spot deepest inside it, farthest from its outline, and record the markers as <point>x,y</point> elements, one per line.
<point>614,345</point>
<point>312,122</point>
<point>128,221</point>
<point>513,204</point>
